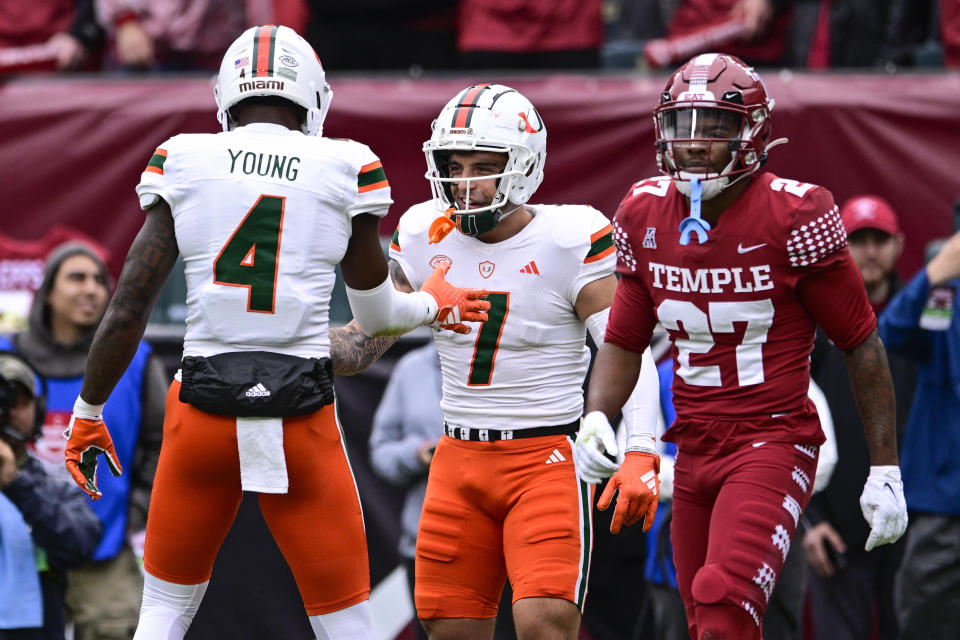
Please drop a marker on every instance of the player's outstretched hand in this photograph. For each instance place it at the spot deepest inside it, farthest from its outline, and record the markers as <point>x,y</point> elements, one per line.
<point>87,438</point>
<point>455,305</point>
<point>883,505</point>
<point>595,437</point>
<point>639,485</point>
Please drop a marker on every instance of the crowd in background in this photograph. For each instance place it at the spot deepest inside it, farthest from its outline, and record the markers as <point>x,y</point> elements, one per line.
<point>435,35</point>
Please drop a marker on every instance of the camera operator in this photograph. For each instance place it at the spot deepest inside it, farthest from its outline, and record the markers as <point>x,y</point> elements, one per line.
<point>46,524</point>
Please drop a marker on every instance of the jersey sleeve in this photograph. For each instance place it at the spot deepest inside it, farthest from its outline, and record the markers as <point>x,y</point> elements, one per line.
<point>599,259</point>
<point>837,300</point>
<point>632,318</point>
<point>815,232</point>
<point>372,194</point>
<point>158,179</point>
<point>408,241</point>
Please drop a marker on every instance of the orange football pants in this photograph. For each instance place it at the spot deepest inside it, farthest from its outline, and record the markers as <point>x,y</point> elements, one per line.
<point>495,509</point>
<point>318,523</point>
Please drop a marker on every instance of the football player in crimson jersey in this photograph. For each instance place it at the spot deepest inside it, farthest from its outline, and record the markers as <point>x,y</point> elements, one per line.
<point>739,267</point>
<point>262,213</point>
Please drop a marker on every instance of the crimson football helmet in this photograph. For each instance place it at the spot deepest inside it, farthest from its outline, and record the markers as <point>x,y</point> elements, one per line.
<point>713,97</point>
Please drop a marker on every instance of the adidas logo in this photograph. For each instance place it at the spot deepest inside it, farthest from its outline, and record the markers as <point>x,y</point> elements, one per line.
<point>556,456</point>
<point>531,268</point>
<point>257,391</point>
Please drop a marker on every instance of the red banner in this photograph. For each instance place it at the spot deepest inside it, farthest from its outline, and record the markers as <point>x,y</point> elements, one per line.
<point>73,148</point>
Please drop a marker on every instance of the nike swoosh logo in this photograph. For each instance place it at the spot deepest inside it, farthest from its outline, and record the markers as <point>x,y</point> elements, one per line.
<point>886,485</point>
<point>743,249</point>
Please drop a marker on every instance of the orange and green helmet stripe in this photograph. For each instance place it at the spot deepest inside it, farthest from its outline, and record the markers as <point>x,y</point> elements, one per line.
<point>371,177</point>
<point>395,240</point>
<point>264,49</point>
<point>601,245</point>
<point>469,100</point>
<point>155,165</point>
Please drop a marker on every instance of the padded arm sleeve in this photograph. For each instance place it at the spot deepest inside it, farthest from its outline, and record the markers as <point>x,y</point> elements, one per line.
<point>642,409</point>
<point>384,311</point>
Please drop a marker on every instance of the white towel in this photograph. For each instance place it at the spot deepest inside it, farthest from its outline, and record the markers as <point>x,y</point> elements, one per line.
<point>263,467</point>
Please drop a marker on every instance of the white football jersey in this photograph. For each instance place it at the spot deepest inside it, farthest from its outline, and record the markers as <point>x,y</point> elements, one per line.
<point>262,216</point>
<point>525,366</point>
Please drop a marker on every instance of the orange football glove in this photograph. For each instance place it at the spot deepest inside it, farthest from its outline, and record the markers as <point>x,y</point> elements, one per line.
<point>456,305</point>
<point>638,480</point>
<point>86,440</point>
<point>441,227</point>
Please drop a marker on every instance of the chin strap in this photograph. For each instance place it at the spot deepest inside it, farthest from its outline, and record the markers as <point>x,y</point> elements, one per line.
<point>694,223</point>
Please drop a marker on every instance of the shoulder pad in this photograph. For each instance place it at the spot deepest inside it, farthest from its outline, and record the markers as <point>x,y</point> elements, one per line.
<point>416,220</point>
<point>572,225</point>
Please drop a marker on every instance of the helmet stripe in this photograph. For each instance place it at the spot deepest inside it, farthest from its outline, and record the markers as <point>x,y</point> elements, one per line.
<point>463,115</point>
<point>264,47</point>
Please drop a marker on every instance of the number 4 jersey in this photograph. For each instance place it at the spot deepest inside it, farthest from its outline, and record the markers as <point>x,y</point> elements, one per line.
<point>525,366</point>
<point>262,216</point>
<point>741,309</point>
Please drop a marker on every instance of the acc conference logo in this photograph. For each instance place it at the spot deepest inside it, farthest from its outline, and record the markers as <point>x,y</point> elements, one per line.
<point>290,61</point>
<point>436,260</point>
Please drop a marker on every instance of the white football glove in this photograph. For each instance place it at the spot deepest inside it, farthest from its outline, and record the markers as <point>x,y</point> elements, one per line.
<point>596,436</point>
<point>883,505</point>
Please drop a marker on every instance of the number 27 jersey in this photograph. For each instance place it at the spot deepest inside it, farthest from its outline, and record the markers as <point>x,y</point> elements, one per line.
<point>740,309</point>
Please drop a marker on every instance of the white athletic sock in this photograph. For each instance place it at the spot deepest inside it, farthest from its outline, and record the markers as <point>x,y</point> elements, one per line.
<point>167,609</point>
<point>352,623</point>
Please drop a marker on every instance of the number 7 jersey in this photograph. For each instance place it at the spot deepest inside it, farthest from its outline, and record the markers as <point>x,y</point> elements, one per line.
<point>262,216</point>
<point>740,309</point>
<point>525,366</point>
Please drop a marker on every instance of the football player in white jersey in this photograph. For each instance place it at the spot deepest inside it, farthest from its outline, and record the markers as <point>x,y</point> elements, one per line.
<point>504,498</point>
<point>262,213</point>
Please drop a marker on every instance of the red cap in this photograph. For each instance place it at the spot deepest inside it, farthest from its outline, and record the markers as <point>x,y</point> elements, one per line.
<point>869,212</point>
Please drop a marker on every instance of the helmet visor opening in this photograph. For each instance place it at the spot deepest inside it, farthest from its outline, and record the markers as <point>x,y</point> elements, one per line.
<point>700,123</point>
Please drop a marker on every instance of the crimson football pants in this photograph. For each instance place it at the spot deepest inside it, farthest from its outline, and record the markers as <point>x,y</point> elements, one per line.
<point>734,515</point>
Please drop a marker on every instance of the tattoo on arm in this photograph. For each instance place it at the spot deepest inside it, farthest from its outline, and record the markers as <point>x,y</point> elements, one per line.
<point>352,350</point>
<point>399,278</point>
<point>873,389</point>
<point>148,264</point>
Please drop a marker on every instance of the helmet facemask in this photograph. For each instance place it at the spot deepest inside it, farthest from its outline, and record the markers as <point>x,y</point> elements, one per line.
<point>473,220</point>
<point>690,136</point>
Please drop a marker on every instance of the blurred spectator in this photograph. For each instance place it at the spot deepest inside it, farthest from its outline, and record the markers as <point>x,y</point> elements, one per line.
<point>405,432</point>
<point>103,597</point>
<point>857,33</point>
<point>46,524</point>
<point>60,34</point>
<point>760,38</point>
<point>529,34</point>
<point>928,584</point>
<point>950,32</point>
<point>173,35</point>
<point>384,34</point>
<point>406,428</point>
<point>847,584</point>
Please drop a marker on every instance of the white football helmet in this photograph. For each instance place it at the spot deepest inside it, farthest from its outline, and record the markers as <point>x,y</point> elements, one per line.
<point>487,117</point>
<point>271,60</point>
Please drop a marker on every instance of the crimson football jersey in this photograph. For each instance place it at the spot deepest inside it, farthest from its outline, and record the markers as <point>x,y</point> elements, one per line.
<point>741,309</point>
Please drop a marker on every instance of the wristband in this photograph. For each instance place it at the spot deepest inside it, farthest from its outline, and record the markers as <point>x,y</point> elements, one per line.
<point>87,411</point>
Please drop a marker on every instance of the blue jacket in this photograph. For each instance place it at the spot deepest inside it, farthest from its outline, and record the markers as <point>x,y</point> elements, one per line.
<point>930,457</point>
<point>64,526</point>
<point>122,414</point>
